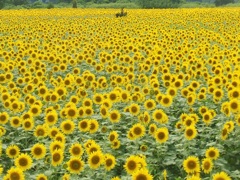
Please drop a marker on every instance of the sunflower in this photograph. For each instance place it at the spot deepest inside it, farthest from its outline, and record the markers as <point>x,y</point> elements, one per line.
<point>221,176</point>
<point>28,124</point>
<point>134,109</point>
<point>109,162</point>
<point>152,129</point>
<point>60,137</point>
<point>95,159</point>
<point>88,111</point>
<point>125,96</point>
<point>234,105</point>
<point>67,126</point>
<point>4,117</point>
<point>93,147</point>
<point>212,153</point>
<point>149,104</point>
<point>224,133</point>
<point>115,178</point>
<point>16,122</point>
<point>161,135</point>
<point>76,150</point>
<point>54,145</point>
<point>81,112</point>
<point>75,165</point>
<point>166,100</point>
<point>38,151</point>
<point>57,157</point>
<point>229,125</point>
<point>51,118</point>
<point>237,119</point>
<point>207,165</point>
<point>93,126</point>
<point>15,174</point>
<point>40,131</point>
<point>160,116</point>
<point>97,98</point>
<point>104,111</point>
<point>35,110</point>
<point>66,177</point>
<point>191,164</point>
<point>145,118</point>
<point>131,165</point>
<point>113,136</point>
<point>218,94</point>
<point>142,174</point>
<point>12,151</point>
<point>114,96</point>
<point>190,132</point>
<point>23,161</point>
<point>138,130</point>
<point>114,116</point>
<point>41,177</point>
<point>207,117</point>
<point>116,144</point>
<point>84,125</point>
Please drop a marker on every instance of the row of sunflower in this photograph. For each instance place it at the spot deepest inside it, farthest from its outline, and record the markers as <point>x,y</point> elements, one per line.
<point>154,95</point>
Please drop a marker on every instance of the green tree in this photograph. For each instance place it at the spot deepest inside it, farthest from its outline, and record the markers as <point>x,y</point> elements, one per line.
<point>2,2</point>
<point>223,2</point>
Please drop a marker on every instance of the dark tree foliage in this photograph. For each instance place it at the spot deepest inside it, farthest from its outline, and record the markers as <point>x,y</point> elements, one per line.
<point>223,2</point>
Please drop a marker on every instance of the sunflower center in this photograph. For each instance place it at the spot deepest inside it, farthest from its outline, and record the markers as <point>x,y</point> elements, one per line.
<point>67,126</point>
<point>40,132</point>
<point>114,116</point>
<point>234,105</point>
<point>76,150</point>
<point>75,165</point>
<point>109,162</point>
<point>13,152</point>
<point>83,124</point>
<point>191,164</point>
<point>141,177</point>
<point>137,130</point>
<point>95,159</point>
<point>158,115</point>
<point>189,132</point>
<point>165,100</point>
<point>56,157</point>
<point>149,105</point>
<point>161,135</point>
<point>37,151</point>
<point>71,112</point>
<point>15,176</point>
<point>224,132</point>
<point>51,118</point>
<point>34,110</point>
<point>23,162</point>
<point>212,154</point>
<point>112,137</point>
<point>207,165</point>
<point>134,109</point>
<point>132,165</point>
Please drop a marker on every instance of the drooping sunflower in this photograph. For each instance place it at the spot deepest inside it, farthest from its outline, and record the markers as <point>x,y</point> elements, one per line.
<point>75,165</point>
<point>221,176</point>
<point>76,150</point>
<point>191,164</point>
<point>114,116</point>
<point>23,161</point>
<point>212,153</point>
<point>190,132</point>
<point>67,126</point>
<point>161,135</point>
<point>142,174</point>
<point>207,165</point>
<point>15,174</point>
<point>38,151</point>
<point>12,151</point>
<point>116,144</point>
<point>95,159</point>
<point>57,157</point>
<point>109,162</point>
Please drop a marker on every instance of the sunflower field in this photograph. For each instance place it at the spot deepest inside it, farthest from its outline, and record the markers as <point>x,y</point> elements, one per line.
<point>154,95</point>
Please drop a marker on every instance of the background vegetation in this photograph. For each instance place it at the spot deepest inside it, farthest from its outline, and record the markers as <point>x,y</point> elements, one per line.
<point>133,4</point>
